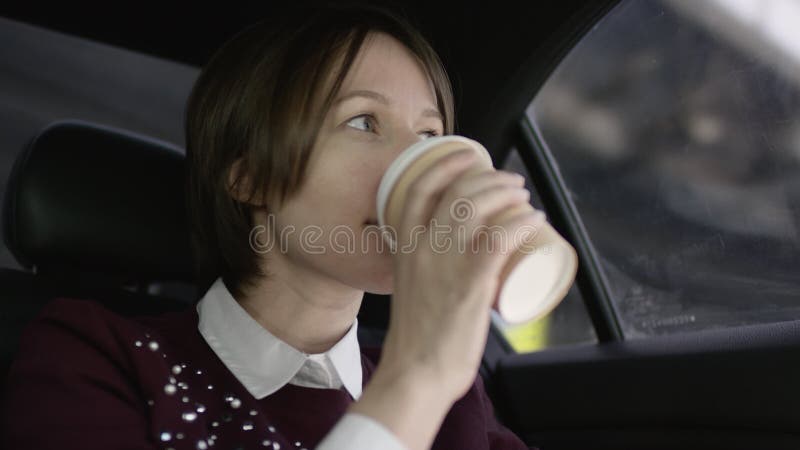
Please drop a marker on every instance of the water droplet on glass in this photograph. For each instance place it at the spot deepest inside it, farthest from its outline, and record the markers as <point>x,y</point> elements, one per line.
<point>199,372</point>
<point>179,436</point>
<point>215,424</point>
<point>170,389</point>
<point>166,436</point>
<point>150,402</point>
<point>266,443</point>
<point>210,387</point>
<point>183,385</point>
<point>235,403</point>
<point>153,345</point>
<point>183,366</point>
<point>276,446</point>
<point>253,412</point>
<point>200,408</point>
<point>176,369</point>
<point>171,380</point>
<point>185,399</point>
<point>271,429</point>
<point>202,445</point>
<point>189,416</point>
<point>297,444</point>
<point>138,343</point>
<point>247,426</point>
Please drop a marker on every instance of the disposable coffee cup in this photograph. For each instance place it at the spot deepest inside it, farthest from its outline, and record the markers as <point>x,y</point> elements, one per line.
<point>535,277</point>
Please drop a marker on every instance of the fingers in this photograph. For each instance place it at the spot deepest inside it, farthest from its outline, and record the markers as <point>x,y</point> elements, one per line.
<point>497,219</point>
<point>425,191</point>
<point>468,184</point>
<point>520,230</point>
<point>457,192</point>
<point>476,207</point>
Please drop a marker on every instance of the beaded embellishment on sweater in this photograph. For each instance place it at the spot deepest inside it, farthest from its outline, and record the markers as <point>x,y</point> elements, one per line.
<point>175,386</point>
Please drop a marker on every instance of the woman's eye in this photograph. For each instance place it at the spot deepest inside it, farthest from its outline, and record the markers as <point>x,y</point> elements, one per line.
<point>432,133</point>
<point>368,124</point>
<point>365,118</point>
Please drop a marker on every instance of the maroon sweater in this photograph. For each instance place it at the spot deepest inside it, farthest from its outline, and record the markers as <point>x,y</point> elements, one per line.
<point>88,378</point>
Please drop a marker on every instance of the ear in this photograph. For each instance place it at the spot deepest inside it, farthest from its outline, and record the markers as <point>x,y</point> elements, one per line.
<point>239,191</point>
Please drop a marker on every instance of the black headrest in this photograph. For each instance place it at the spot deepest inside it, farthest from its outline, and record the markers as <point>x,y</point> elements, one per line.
<point>87,199</point>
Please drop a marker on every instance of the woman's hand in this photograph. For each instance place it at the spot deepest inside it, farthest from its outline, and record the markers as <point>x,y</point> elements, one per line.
<point>443,294</point>
<point>446,275</point>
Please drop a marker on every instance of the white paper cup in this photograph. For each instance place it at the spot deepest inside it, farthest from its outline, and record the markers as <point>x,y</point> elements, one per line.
<point>535,278</point>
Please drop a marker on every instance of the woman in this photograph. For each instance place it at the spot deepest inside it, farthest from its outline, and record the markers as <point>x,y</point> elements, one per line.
<point>289,129</point>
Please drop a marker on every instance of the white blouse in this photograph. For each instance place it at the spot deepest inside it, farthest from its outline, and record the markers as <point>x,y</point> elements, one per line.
<point>264,363</point>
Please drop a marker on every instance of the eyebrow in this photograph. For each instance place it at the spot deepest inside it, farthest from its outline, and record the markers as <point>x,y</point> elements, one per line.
<point>430,112</point>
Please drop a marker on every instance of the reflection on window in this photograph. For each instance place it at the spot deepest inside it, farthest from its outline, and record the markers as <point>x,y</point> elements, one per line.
<point>568,323</point>
<point>676,126</point>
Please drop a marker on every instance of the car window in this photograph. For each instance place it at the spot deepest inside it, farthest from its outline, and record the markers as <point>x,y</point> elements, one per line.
<point>568,323</point>
<point>676,127</point>
<point>47,76</point>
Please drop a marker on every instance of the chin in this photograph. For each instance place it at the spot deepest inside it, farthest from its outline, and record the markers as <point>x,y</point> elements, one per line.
<point>372,272</point>
<point>381,291</point>
<point>383,286</point>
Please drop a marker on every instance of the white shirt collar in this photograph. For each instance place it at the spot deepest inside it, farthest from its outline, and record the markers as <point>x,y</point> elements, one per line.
<point>264,363</point>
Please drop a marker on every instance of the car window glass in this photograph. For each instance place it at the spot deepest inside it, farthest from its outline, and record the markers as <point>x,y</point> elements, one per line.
<point>568,323</point>
<point>676,127</point>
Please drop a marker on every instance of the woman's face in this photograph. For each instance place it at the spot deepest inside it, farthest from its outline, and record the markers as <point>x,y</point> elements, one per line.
<point>385,104</point>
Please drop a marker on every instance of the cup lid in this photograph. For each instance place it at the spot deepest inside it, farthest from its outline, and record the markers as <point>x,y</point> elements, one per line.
<point>408,156</point>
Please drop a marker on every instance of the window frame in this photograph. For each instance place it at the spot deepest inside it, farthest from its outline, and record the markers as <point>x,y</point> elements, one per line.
<point>520,134</point>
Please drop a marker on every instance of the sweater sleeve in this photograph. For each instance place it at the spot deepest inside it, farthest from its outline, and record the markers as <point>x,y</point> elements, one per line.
<point>67,387</point>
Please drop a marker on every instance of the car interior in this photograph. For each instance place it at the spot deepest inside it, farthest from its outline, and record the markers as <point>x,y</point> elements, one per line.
<point>94,209</point>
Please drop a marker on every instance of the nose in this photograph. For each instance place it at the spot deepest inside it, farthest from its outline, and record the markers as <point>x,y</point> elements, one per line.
<point>401,142</point>
<point>404,140</point>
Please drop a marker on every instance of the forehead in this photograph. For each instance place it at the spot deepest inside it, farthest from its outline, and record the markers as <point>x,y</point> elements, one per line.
<point>385,65</point>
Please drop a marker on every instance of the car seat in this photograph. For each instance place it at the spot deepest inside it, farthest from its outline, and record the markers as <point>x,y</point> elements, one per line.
<point>96,212</point>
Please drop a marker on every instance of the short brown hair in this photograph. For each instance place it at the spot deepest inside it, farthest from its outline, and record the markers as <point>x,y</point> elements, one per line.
<point>259,99</point>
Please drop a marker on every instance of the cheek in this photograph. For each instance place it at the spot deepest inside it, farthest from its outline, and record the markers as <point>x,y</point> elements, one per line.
<point>346,178</point>
<point>336,201</point>
<point>351,187</point>
<point>366,177</point>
